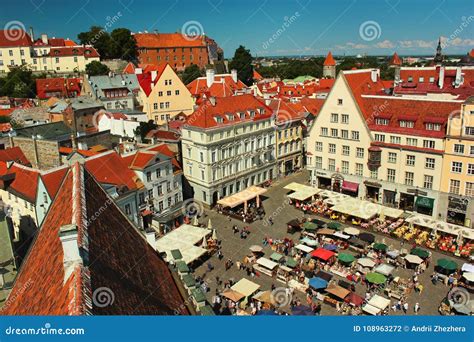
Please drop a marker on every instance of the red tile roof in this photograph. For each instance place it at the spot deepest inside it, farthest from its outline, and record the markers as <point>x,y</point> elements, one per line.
<point>129,68</point>
<point>329,61</point>
<point>395,60</point>
<point>145,80</point>
<point>5,127</point>
<point>223,86</point>
<point>206,115</point>
<point>14,154</point>
<point>167,40</point>
<point>62,51</point>
<point>53,179</point>
<point>471,53</point>
<point>25,183</point>
<point>415,87</point>
<point>164,149</point>
<point>119,259</point>
<point>14,38</point>
<point>257,76</point>
<point>163,135</point>
<point>109,168</point>
<point>397,108</point>
<point>66,87</point>
<point>85,153</point>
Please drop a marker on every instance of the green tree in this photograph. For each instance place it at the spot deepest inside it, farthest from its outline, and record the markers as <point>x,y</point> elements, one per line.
<point>242,62</point>
<point>144,128</point>
<point>123,45</point>
<point>190,73</point>
<point>95,68</point>
<point>19,82</point>
<point>99,39</point>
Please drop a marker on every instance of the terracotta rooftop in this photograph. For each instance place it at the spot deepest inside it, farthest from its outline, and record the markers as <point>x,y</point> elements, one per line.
<point>329,61</point>
<point>167,40</point>
<point>119,261</point>
<point>14,38</point>
<point>14,154</point>
<point>228,111</point>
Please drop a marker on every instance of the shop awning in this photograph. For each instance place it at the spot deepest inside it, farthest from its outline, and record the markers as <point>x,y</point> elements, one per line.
<point>322,254</point>
<point>233,295</point>
<point>318,283</point>
<point>354,299</point>
<point>424,202</point>
<point>350,186</point>
<point>370,309</point>
<point>384,269</point>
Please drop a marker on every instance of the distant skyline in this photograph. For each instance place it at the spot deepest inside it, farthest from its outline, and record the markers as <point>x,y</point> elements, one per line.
<point>268,28</point>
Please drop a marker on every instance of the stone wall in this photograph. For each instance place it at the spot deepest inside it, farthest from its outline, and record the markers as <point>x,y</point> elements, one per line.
<point>42,154</point>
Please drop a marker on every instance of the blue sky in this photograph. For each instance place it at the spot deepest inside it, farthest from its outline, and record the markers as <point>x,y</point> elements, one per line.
<point>268,27</point>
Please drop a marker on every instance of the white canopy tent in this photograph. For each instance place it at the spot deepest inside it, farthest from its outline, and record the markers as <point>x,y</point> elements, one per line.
<point>304,248</point>
<point>245,287</point>
<point>267,263</point>
<point>183,238</point>
<point>243,197</point>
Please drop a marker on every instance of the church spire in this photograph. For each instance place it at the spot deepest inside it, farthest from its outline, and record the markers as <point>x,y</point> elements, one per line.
<point>438,58</point>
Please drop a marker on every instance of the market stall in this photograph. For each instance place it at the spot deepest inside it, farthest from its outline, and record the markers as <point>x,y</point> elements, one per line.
<point>266,266</point>
<point>376,305</point>
<point>384,269</point>
<point>245,287</point>
<point>237,205</point>
<point>323,254</point>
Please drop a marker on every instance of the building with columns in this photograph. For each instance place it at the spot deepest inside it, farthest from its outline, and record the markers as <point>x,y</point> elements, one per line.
<point>228,145</point>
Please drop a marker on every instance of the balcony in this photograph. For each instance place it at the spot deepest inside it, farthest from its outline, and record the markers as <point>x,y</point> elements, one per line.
<point>375,157</point>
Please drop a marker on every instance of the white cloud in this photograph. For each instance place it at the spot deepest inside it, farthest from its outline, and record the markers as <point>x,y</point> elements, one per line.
<point>386,44</point>
<point>417,43</point>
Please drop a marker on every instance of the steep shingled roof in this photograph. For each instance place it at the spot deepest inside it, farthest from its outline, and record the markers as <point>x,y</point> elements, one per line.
<point>118,259</point>
<point>329,61</point>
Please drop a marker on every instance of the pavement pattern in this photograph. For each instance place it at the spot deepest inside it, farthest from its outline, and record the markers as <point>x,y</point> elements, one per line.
<point>276,204</point>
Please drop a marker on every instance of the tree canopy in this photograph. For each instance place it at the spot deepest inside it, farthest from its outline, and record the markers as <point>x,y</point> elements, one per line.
<point>19,82</point>
<point>190,73</point>
<point>96,68</point>
<point>242,62</point>
<point>118,44</point>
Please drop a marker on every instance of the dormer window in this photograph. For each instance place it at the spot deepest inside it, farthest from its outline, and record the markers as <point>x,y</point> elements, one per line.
<point>382,122</point>
<point>219,119</point>
<point>242,116</point>
<point>252,113</point>
<point>410,78</point>
<point>433,126</point>
<point>230,117</point>
<point>407,123</point>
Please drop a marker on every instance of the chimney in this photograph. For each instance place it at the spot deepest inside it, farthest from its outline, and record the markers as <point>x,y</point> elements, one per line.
<point>71,255</point>
<point>234,75</point>
<point>441,77</point>
<point>150,237</point>
<point>44,38</point>
<point>32,34</point>
<point>373,75</point>
<point>154,73</point>
<point>459,79</point>
<point>212,99</point>
<point>210,77</point>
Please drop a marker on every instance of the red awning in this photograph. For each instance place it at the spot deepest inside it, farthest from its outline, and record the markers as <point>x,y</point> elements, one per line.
<point>146,212</point>
<point>350,186</point>
<point>322,254</point>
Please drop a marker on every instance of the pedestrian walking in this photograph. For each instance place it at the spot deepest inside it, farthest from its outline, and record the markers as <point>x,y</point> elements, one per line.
<point>416,308</point>
<point>405,307</point>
